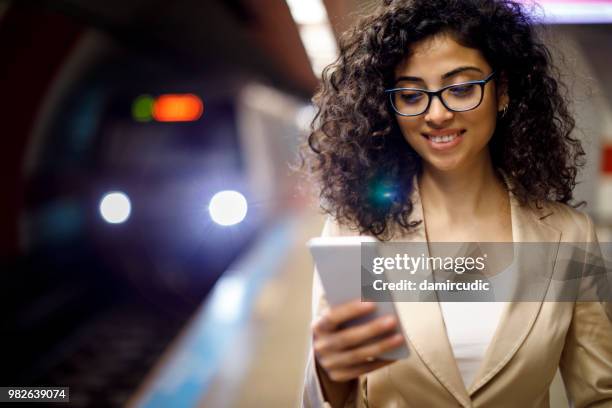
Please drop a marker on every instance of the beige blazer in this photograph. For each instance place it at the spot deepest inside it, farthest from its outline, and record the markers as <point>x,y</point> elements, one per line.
<point>532,340</point>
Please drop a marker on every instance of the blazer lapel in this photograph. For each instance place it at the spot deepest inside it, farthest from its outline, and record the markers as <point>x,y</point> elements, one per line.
<point>423,323</point>
<point>518,318</point>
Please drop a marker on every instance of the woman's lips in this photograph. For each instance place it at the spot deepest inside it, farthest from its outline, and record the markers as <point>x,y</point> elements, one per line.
<point>444,140</point>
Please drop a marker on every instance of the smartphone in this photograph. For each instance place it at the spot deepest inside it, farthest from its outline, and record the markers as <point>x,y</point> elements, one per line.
<point>338,261</point>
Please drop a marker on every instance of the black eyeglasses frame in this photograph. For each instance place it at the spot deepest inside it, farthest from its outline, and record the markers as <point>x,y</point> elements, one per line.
<point>438,94</point>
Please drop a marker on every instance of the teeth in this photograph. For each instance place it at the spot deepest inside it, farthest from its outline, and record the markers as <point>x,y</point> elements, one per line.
<point>443,139</point>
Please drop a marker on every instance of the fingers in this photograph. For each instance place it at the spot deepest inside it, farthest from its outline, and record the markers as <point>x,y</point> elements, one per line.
<point>353,336</point>
<point>337,315</point>
<point>360,355</point>
<point>347,353</point>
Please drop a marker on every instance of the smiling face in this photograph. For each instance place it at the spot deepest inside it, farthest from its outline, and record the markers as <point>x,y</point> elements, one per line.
<point>446,140</point>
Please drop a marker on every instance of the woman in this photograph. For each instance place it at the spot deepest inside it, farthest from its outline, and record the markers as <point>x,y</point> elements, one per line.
<point>442,120</point>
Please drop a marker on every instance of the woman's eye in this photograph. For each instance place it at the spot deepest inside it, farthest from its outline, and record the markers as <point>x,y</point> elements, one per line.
<point>411,97</point>
<point>462,90</point>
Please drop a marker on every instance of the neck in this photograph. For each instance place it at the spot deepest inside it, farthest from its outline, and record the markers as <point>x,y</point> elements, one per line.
<point>461,194</point>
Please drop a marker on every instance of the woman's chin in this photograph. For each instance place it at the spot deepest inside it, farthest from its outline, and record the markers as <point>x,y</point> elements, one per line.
<point>445,165</point>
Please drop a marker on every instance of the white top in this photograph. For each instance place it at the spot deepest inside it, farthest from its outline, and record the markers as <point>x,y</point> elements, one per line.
<point>470,327</point>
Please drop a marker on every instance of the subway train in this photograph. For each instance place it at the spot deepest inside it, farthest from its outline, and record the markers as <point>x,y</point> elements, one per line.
<point>133,133</point>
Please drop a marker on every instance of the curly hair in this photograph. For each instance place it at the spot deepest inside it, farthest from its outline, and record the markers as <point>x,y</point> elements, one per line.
<point>356,153</point>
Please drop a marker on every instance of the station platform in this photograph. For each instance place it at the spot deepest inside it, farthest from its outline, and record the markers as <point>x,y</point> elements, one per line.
<point>247,344</point>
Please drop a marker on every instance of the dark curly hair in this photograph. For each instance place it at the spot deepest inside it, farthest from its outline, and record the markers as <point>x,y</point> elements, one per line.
<point>356,153</point>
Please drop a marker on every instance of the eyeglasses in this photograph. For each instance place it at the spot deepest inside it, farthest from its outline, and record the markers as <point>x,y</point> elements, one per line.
<point>456,98</point>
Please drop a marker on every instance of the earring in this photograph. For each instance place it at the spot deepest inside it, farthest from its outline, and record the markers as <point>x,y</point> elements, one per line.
<point>504,111</point>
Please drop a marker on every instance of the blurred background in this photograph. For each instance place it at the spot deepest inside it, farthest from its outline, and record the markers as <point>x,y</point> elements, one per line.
<point>151,232</point>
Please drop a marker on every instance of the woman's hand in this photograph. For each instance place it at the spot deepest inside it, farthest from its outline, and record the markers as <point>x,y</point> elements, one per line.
<point>347,353</point>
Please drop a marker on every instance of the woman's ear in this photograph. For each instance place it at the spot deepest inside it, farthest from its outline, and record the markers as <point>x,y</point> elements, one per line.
<point>502,92</point>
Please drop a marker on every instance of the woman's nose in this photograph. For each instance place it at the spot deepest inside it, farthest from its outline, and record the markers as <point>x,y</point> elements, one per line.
<point>437,112</point>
